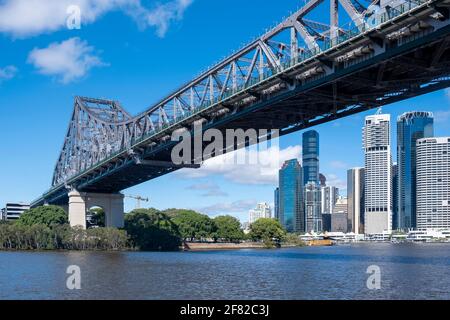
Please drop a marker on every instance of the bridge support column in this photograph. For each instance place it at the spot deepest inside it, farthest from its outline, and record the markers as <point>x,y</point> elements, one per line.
<point>81,202</point>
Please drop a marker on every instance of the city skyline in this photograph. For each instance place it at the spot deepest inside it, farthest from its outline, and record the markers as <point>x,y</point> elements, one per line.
<point>219,190</point>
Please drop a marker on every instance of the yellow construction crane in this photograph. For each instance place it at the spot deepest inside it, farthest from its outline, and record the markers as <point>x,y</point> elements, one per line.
<point>138,200</point>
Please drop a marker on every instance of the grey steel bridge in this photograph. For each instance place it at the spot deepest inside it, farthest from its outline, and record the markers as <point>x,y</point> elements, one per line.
<point>299,74</point>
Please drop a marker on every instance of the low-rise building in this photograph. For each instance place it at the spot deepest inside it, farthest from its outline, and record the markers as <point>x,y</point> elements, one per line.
<point>339,222</point>
<point>13,210</point>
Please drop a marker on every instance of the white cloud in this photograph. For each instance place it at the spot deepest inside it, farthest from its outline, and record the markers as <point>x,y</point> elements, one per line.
<point>264,173</point>
<point>238,208</point>
<point>68,61</point>
<point>334,181</point>
<point>162,15</point>
<point>209,189</point>
<point>338,165</point>
<point>442,116</point>
<point>7,73</point>
<point>24,18</point>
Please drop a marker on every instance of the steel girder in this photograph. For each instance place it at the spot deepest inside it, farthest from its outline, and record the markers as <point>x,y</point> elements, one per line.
<point>103,137</point>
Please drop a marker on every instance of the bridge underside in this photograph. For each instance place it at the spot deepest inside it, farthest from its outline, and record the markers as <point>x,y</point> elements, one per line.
<point>398,72</point>
<point>397,79</point>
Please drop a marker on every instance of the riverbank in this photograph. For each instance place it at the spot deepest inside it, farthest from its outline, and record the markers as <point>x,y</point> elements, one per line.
<point>191,246</point>
<point>196,246</point>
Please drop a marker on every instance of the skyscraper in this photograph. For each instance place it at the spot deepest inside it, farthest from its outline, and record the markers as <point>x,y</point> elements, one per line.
<point>395,218</point>
<point>291,213</point>
<point>311,157</point>
<point>312,208</point>
<point>355,195</point>
<point>277,203</point>
<point>322,180</point>
<point>411,126</point>
<point>433,183</point>
<point>262,210</point>
<point>378,174</point>
<point>329,196</point>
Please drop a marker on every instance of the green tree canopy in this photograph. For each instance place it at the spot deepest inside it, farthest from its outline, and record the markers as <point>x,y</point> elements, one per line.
<point>98,217</point>
<point>193,225</point>
<point>150,229</point>
<point>267,230</point>
<point>45,215</point>
<point>228,229</point>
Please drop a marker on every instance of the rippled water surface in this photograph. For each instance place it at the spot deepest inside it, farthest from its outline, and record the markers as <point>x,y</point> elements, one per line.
<point>419,271</point>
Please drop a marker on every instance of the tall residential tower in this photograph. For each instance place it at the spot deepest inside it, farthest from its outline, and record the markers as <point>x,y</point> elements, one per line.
<point>433,183</point>
<point>378,174</point>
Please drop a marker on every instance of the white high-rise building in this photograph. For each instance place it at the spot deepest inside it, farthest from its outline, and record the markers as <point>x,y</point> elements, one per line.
<point>329,196</point>
<point>355,194</point>
<point>262,210</point>
<point>433,183</point>
<point>378,174</point>
<point>312,208</point>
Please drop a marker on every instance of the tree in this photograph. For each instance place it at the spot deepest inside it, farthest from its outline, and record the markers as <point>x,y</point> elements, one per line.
<point>269,231</point>
<point>193,225</point>
<point>150,229</point>
<point>46,215</point>
<point>228,229</point>
<point>98,217</point>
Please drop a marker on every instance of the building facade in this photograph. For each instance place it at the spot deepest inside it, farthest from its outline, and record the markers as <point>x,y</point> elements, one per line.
<point>291,210</point>
<point>310,157</point>
<point>322,180</point>
<point>433,183</point>
<point>313,208</point>
<point>339,222</point>
<point>411,126</point>
<point>277,203</point>
<point>329,196</point>
<point>262,210</point>
<point>341,205</point>
<point>395,202</point>
<point>378,174</point>
<point>13,210</point>
<point>355,200</point>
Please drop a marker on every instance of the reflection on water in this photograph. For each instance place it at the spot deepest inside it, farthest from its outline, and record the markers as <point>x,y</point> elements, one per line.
<point>408,272</point>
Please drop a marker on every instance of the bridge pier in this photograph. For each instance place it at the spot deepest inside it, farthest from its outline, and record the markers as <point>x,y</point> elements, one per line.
<point>81,202</point>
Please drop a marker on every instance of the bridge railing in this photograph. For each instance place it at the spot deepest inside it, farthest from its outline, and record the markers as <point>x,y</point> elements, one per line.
<point>303,56</point>
<point>285,64</point>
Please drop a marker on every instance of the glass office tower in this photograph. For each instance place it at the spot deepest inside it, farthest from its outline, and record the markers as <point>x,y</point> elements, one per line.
<point>277,203</point>
<point>290,197</point>
<point>411,127</point>
<point>311,157</point>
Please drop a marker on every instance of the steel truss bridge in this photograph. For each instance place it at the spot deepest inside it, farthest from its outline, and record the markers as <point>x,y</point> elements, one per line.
<point>299,74</point>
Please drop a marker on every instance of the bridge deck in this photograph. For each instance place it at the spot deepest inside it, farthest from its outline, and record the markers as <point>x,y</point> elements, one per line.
<point>391,69</point>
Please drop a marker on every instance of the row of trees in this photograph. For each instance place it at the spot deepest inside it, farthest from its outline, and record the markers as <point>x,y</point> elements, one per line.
<point>150,229</point>
<point>46,228</point>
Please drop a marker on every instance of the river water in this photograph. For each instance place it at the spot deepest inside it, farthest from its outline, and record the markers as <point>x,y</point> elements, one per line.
<point>408,271</point>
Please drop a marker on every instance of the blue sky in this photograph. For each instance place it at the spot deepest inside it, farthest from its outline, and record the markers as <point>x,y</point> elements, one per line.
<point>136,52</point>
